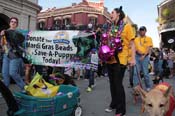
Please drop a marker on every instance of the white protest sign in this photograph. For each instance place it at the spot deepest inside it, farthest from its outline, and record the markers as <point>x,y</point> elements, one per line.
<point>51,48</point>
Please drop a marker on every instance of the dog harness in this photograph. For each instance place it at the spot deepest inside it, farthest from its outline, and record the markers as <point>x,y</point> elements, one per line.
<point>163,87</point>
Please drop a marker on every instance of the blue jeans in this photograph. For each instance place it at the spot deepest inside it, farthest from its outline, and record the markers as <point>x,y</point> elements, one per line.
<point>90,75</point>
<point>156,67</point>
<point>141,66</point>
<point>160,66</point>
<point>12,68</point>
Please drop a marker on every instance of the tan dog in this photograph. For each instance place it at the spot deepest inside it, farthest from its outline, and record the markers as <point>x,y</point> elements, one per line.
<point>159,101</point>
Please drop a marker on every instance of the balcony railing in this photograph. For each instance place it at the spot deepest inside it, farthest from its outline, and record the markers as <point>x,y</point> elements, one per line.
<point>167,26</point>
<point>70,11</point>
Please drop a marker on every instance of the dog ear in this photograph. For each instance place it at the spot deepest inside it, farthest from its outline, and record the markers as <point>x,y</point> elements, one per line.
<point>142,92</point>
<point>168,92</point>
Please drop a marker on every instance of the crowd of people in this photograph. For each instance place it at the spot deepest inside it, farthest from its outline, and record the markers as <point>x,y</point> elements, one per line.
<point>163,62</point>
<point>137,53</point>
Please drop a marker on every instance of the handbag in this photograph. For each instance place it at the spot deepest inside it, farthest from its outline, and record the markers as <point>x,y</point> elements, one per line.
<point>40,88</point>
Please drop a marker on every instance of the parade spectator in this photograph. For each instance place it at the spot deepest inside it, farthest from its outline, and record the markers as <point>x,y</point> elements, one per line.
<point>166,70</point>
<point>152,56</point>
<point>98,35</point>
<point>170,62</point>
<point>143,45</point>
<point>1,57</point>
<point>130,69</point>
<point>105,27</point>
<point>12,55</point>
<point>77,68</point>
<point>117,65</point>
<point>90,74</point>
<point>153,60</point>
<point>90,71</point>
<point>160,63</point>
<point>157,58</point>
<point>81,72</point>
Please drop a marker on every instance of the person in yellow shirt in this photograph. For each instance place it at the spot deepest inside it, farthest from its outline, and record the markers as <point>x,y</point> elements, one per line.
<point>117,64</point>
<point>143,45</point>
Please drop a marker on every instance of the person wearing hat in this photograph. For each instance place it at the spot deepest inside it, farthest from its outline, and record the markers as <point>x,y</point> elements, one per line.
<point>10,42</point>
<point>143,45</point>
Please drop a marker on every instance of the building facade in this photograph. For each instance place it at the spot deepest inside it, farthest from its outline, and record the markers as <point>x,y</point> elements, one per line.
<point>25,10</point>
<point>166,19</point>
<point>78,15</point>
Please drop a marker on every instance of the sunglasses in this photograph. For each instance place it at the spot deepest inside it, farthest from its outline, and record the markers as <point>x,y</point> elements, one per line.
<point>142,30</point>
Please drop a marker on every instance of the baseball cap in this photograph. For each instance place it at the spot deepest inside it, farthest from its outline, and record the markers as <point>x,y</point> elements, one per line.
<point>142,28</point>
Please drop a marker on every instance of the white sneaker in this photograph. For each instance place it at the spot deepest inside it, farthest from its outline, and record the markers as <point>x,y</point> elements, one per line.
<point>92,86</point>
<point>151,73</point>
<point>89,89</point>
<point>108,110</point>
<point>106,74</point>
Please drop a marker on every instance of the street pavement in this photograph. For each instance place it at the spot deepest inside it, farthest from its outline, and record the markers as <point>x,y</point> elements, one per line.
<point>94,103</point>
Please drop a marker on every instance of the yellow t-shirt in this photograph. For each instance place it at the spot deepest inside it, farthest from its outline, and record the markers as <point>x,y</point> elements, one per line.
<point>127,35</point>
<point>142,43</point>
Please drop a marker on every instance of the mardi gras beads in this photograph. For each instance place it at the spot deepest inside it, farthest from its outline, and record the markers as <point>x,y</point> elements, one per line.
<point>116,37</point>
<point>107,51</point>
<point>104,50</point>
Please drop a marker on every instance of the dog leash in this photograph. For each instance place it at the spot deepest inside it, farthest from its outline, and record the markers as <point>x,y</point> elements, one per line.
<point>138,76</point>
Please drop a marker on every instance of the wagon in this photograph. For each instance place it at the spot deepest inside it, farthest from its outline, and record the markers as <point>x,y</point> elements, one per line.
<point>67,103</point>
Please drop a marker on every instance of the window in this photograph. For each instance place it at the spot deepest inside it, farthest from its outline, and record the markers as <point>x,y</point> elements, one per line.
<point>41,25</point>
<point>93,20</point>
<point>57,24</point>
<point>67,21</point>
